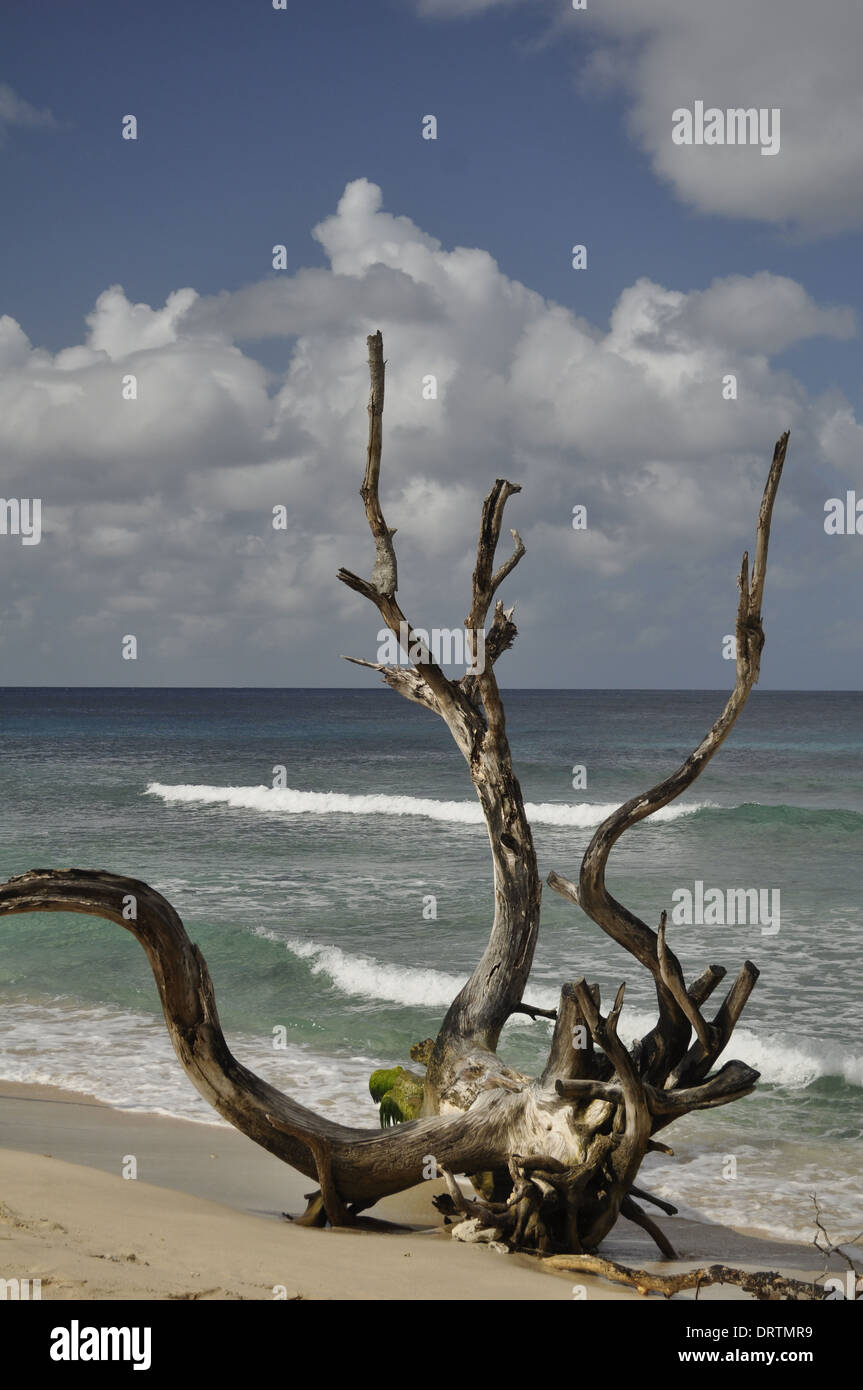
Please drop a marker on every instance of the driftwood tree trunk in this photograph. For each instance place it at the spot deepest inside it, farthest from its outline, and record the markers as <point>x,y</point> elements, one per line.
<point>564,1148</point>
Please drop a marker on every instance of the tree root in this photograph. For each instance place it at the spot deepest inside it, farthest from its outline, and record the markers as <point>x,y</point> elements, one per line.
<point>633,1212</point>
<point>547,1202</point>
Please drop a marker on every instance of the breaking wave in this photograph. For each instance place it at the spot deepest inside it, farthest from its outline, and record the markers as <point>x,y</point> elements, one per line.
<point>289,801</point>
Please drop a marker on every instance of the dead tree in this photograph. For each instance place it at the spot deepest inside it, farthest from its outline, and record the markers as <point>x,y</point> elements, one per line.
<point>563,1149</point>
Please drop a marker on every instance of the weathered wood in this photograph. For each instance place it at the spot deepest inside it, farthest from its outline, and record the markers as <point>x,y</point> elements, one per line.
<point>766,1286</point>
<point>385,572</point>
<point>473,711</point>
<point>632,1212</point>
<point>561,1153</point>
<point>566,1061</point>
<point>591,895</point>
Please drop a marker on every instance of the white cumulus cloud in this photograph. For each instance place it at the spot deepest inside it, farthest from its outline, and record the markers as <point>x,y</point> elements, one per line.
<point>157,511</point>
<point>795,55</point>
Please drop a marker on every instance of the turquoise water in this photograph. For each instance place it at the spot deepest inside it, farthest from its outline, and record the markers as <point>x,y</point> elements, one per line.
<point>307,900</point>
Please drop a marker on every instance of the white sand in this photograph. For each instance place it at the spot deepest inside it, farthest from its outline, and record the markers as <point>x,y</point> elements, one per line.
<point>204,1219</point>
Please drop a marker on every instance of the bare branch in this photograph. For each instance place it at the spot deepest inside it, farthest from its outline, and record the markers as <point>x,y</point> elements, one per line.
<point>764,1286</point>
<point>384,575</point>
<point>485,579</point>
<point>498,640</point>
<point>473,711</point>
<point>731,1082</point>
<point>587,1088</point>
<point>678,1009</point>
<point>533,1012</point>
<point>509,565</point>
<point>453,704</point>
<point>672,977</point>
<point>592,896</point>
<point>831,1247</point>
<point>405,680</point>
<point>700,1057</point>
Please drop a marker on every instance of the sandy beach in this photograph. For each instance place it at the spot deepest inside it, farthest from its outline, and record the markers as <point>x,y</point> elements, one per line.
<point>205,1219</point>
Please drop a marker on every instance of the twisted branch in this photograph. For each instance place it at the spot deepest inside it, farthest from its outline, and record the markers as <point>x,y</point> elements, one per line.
<point>678,1008</point>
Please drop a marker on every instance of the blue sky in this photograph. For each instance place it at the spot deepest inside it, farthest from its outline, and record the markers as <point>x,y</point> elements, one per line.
<point>553,128</point>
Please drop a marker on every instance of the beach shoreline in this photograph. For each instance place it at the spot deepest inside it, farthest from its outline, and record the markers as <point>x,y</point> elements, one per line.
<point>204,1218</point>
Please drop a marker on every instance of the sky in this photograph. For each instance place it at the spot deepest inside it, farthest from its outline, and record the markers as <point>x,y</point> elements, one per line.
<point>150,261</point>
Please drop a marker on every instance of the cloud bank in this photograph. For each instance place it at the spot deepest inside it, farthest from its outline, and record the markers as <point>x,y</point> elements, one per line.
<point>157,511</point>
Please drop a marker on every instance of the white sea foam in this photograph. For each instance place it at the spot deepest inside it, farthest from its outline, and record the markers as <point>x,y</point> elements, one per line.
<point>126,1060</point>
<point>366,978</point>
<point>772,1191</point>
<point>363,977</point>
<point>287,800</point>
<point>794,1064</point>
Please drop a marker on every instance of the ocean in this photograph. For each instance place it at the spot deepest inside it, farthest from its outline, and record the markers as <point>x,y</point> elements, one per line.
<point>311,901</point>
